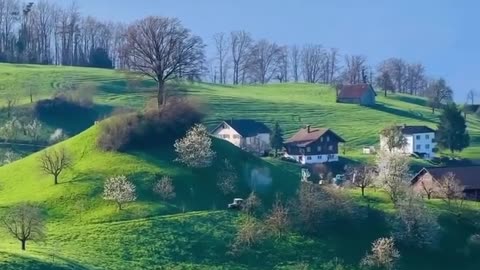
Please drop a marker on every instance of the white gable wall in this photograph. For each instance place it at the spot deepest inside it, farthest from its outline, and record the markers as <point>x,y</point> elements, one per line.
<point>260,142</point>
<point>229,134</point>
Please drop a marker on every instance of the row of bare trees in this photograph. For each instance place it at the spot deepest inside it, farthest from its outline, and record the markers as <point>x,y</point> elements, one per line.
<point>46,33</point>
<point>240,59</point>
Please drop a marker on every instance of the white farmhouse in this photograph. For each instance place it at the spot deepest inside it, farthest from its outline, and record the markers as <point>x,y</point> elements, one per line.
<point>420,140</point>
<point>246,134</point>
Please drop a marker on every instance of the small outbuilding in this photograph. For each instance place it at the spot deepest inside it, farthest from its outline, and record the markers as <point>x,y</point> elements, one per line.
<point>468,176</point>
<point>362,94</point>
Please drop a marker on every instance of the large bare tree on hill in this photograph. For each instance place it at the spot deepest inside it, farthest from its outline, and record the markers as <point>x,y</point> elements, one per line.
<point>163,49</point>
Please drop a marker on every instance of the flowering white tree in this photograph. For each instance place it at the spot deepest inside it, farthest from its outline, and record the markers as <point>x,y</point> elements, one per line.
<point>10,129</point>
<point>393,173</point>
<point>383,255</point>
<point>195,149</point>
<point>164,188</point>
<point>33,129</point>
<point>119,190</point>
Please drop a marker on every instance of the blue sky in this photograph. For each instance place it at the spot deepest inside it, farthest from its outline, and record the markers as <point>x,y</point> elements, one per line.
<point>442,34</point>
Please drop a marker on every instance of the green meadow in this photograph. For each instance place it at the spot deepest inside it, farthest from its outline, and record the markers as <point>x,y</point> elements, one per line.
<point>194,230</point>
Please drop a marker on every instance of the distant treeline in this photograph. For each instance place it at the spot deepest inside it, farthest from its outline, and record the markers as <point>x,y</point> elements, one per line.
<point>46,33</point>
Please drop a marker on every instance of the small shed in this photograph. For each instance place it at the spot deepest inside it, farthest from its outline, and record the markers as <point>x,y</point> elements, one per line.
<point>362,94</point>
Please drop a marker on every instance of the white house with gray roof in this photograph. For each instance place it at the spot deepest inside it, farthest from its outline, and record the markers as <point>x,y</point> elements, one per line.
<point>420,140</point>
<point>248,134</point>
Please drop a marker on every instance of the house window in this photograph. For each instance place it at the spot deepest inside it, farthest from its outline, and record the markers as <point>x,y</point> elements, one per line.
<point>319,148</point>
<point>309,149</point>
<point>328,138</point>
<point>418,137</point>
<point>236,136</point>
<point>419,147</point>
<point>226,136</point>
<point>319,157</point>
<point>309,158</point>
<point>321,139</point>
<point>330,147</point>
<point>427,146</point>
<point>427,136</point>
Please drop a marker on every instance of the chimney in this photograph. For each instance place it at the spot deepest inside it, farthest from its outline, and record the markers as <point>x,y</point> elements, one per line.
<point>308,128</point>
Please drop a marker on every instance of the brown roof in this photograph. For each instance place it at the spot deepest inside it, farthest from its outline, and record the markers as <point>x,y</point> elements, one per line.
<point>306,136</point>
<point>354,90</point>
<point>469,176</point>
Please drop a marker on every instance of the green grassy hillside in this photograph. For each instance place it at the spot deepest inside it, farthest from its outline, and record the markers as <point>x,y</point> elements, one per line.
<point>293,105</point>
<point>194,231</point>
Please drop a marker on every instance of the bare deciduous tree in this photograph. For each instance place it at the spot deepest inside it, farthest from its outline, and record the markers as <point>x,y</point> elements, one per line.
<point>165,188</point>
<point>25,223</point>
<point>221,46</point>
<point>438,92</point>
<point>249,233</point>
<point>119,190</point>
<point>263,61</point>
<point>252,203</point>
<point>11,100</point>
<point>355,65</point>
<point>54,161</point>
<point>195,149</point>
<point>240,42</point>
<point>450,189</point>
<point>361,176</point>
<point>283,64</point>
<point>278,220</point>
<point>163,49</point>
<point>295,62</point>
<point>383,255</point>
<point>227,178</point>
<point>311,59</point>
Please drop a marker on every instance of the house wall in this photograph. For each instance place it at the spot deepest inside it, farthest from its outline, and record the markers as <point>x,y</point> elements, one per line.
<point>426,146</point>
<point>424,143</point>
<point>229,134</point>
<point>313,159</point>
<point>349,100</point>
<point>316,154</point>
<point>260,143</point>
<point>425,179</point>
<point>368,99</point>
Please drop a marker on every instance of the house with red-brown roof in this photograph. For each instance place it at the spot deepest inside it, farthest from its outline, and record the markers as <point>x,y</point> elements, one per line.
<point>313,145</point>
<point>467,176</point>
<point>362,94</point>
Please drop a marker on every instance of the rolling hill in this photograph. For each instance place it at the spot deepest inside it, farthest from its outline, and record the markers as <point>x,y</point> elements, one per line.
<point>293,105</point>
<point>193,231</point>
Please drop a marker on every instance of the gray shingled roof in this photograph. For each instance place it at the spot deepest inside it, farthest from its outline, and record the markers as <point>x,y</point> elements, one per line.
<point>409,130</point>
<point>248,127</point>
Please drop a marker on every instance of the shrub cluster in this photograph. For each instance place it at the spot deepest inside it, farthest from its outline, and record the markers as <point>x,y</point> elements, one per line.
<point>151,128</point>
<point>70,103</point>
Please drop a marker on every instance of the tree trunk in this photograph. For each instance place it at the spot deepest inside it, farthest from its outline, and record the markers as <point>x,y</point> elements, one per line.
<point>363,191</point>
<point>161,95</point>
<point>119,206</point>
<point>429,196</point>
<point>55,178</point>
<point>24,242</point>
<point>385,92</point>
